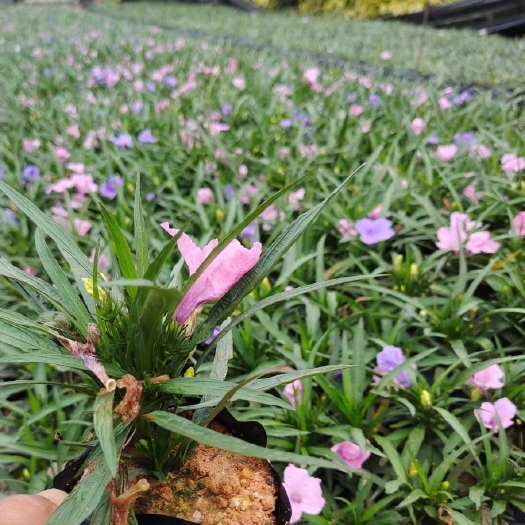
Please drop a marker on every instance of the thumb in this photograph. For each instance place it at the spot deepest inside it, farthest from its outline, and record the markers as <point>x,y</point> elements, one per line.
<point>23,509</point>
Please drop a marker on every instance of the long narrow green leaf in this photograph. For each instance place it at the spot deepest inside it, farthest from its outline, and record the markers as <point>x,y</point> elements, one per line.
<point>280,246</point>
<point>80,316</point>
<point>188,429</point>
<point>29,382</point>
<point>103,423</point>
<point>121,249</point>
<point>22,321</point>
<point>393,457</point>
<point>25,339</point>
<point>141,234</point>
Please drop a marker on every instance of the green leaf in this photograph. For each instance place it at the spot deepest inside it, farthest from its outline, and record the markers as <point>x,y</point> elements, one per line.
<point>84,498</point>
<point>476,495</point>
<point>30,382</point>
<point>102,513</point>
<point>141,234</point>
<point>414,496</point>
<point>393,457</point>
<point>459,519</point>
<point>79,314</point>
<point>455,423</point>
<point>22,321</point>
<point>188,429</point>
<point>11,444</point>
<point>103,423</point>
<point>25,339</point>
<point>280,246</point>
<point>121,249</point>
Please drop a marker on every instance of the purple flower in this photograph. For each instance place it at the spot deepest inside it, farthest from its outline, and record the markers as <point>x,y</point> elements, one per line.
<point>47,72</point>
<point>248,233</point>
<point>147,137</point>
<point>29,174</point>
<point>350,99</point>
<point>229,191</point>
<point>2,173</point>
<point>110,187</point>
<point>433,139</point>
<point>150,196</point>
<point>150,86</point>
<point>463,139</point>
<point>8,217</point>
<point>122,141</point>
<point>301,117</point>
<point>170,82</point>
<point>227,109</point>
<point>216,332</point>
<point>286,123</point>
<point>374,100</point>
<point>372,231</point>
<point>389,359</point>
<point>462,98</point>
<point>137,107</point>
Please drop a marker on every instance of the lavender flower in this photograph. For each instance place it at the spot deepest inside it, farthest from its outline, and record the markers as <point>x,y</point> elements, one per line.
<point>374,100</point>
<point>29,174</point>
<point>286,123</point>
<point>216,332</point>
<point>150,196</point>
<point>302,118</point>
<point>227,109</point>
<point>110,187</point>
<point>146,137</point>
<point>248,233</point>
<point>122,141</point>
<point>150,86</point>
<point>433,139</point>
<point>466,139</point>
<point>462,98</point>
<point>389,359</point>
<point>136,107</point>
<point>170,82</point>
<point>2,169</point>
<point>8,217</point>
<point>229,191</point>
<point>350,99</point>
<point>372,231</point>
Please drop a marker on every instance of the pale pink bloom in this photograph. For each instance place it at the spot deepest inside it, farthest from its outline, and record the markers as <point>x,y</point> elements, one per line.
<point>186,139</point>
<point>480,242</point>
<point>444,103</point>
<point>30,145</point>
<point>418,124</point>
<point>217,127</point>
<point>307,150</point>
<point>365,126</point>
<point>232,66</point>
<point>388,89</point>
<point>311,76</point>
<point>386,55</point>
<point>124,109</point>
<point>60,186</point>
<point>404,183</point>
<point>81,226</point>
<point>284,152</point>
<point>74,131</point>
<point>489,377</point>
<point>225,271</point>
<point>60,216</point>
<point>162,106</point>
<point>294,392</point>
<point>248,192</point>
<point>296,197</point>
<point>283,91</point>
<point>479,151</point>
<point>471,193</point>
<point>453,237</point>
<point>366,82</point>
<point>270,216</point>
<point>239,83</point>
<point>346,228</point>
<point>62,153</point>
<point>519,224</point>
<point>510,163</point>
<point>102,262</point>
<point>492,414</point>
<point>138,85</point>
<point>351,453</point>
<point>376,212</point>
<point>30,271</point>
<point>356,110</point>
<point>76,167</point>
<point>446,153</point>
<point>304,492</point>
<point>243,170</point>
<point>204,195</point>
<point>84,183</point>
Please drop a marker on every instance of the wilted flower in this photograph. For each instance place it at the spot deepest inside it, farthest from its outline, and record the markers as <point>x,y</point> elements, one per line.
<point>110,187</point>
<point>226,269</point>
<point>351,453</point>
<point>389,359</point>
<point>489,377</point>
<point>294,392</point>
<point>304,492</point>
<point>372,231</point>
<point>493,414</point>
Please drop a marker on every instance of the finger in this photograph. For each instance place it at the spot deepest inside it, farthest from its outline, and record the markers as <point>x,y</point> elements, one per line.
<point>26,510</point>
<point>54,496</point>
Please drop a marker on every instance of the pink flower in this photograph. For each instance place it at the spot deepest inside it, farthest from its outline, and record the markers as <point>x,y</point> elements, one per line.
<point>480,242</point>
<point>243,170</point>
<point>296,197</point>
<point>351,453</point>
<point>492,414</point>
<point>82,227</point>
<point>479,151</point>
<point>376,213</point>
<point>386,55</point>
<point>356,110</point>
<point>269,216</point>
<point>62,153</point>
<point>30,271</point>
<point>102,262</point>
<point>519,224</point>
<point>452,238</point>
<point>294,391</point>
<point>510,163</point>
<point>489,377</point>
<point>311,76</point>
<point>446,153</point>
<point>304,492</point>
<point>225,271</point>
<point>204,195</point>
<point>444,103</point>
<point>30,145</point>
<point>239,83</point>
<point>74,131</point>
<point>418,125</point>
<point>346,228</point>
<point>471,193</point>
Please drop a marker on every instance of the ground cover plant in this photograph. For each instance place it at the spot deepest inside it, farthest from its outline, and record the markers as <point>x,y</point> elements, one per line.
<point>428,419</point>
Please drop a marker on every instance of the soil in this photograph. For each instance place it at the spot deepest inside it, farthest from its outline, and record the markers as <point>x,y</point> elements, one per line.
<point>215,487</point>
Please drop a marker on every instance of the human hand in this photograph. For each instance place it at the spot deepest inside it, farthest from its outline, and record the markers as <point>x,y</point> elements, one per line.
<point>23,509</point>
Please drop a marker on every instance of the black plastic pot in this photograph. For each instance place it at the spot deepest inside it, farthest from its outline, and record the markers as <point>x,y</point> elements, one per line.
<point>250,431</point>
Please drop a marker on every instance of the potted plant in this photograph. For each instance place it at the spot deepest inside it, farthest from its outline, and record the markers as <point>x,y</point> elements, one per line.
<point>134,344</point>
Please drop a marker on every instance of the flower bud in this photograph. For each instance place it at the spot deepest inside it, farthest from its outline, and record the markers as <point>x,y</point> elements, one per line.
<point>398,263</point>
<point>475,394</point>
<point>266,286</point>
<point>413,470</point>
<point>426,399</point>
<point>413,272</point>
<point>445,485</point>
<point>219,215</point>
<point>190,372</point>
